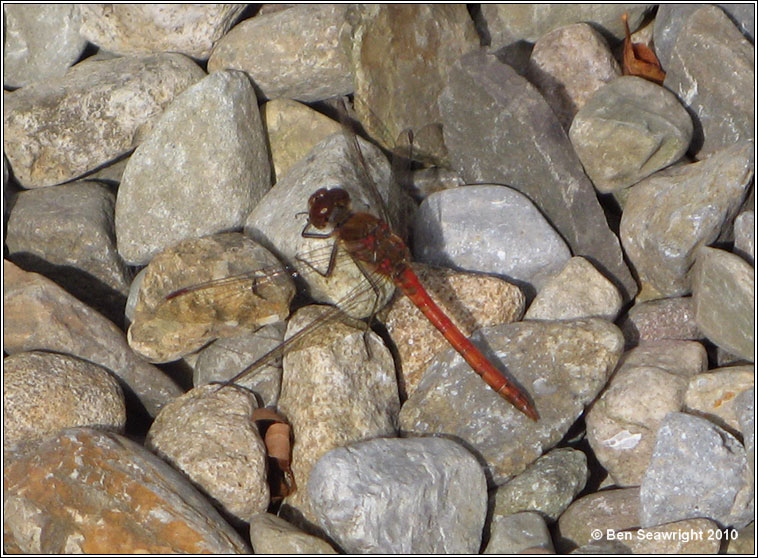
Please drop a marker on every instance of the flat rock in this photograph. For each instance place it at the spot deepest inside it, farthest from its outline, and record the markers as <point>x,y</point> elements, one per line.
<point>697,470</point>
<point>190,29</point>
<point>66,233</point>
<point>39,315</point>
<point>622,424</point>
<point>656,320</point>
<point>711,70</point>
<point>304,59</point>
<point>92,492</point>
<point>211,134</point>
<point>407,496</point>
<point>208,435</point>
<point>490,229</point>
<point>671,213</point>
<point>270,534</point>
<point>232,284</point>
<point>527,130</point>
<point>47,392</point>
<point>41,42</point>
<point>542,357</point>
<point>577,291</point>
<point>568,65</point>
<point>470,300</point>
<point>57,130</point>
<point>723,289</point>
<point>627,130</point>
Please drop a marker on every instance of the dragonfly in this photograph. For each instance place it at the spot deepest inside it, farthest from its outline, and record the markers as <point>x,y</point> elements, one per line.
<point>382,258</point>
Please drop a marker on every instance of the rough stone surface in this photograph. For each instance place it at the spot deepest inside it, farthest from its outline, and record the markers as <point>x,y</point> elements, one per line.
<point>690,537</point>
<point>57,130</point>
<point>715,395</point>
<point>211,134</point>
<point>656,320</point>
<point>514,534</point>
<point>407,496</point>
<point>270,534</point>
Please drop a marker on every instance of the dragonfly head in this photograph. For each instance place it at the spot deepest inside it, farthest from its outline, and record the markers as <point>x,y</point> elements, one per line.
<point>328,207</point>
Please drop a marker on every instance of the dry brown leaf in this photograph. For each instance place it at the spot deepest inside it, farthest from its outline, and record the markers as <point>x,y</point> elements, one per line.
<point>639,60</point>
<point>276,433</point>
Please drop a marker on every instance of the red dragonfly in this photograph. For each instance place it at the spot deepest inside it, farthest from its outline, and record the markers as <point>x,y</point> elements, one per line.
<point>381,256</point>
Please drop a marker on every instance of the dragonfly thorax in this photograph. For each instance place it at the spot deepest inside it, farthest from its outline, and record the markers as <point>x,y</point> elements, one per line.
<point>328,207</point>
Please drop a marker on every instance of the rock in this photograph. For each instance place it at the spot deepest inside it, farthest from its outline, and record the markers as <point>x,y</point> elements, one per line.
<point>527,130</point>
<point>240,288</point>
<point>697,470</point>
<point>333,393</point>
<point>744,240</point>
<point>547,486</point>
<point>208,434</point>
<point>489,229</point>
<point>407,496</point>
<point>304,59</point>
<point>58,130</point>
<point>401,55</point>
<point>745,410</point>
<point>508,23</point>
<point>211,134</point>
<point>627,130</point>
<point>293,129</point>
<point>514,534</point>
<point>470,300</point>
<point>691,536</point>
<point>66,233</point>
<point>452,400</point>
<point>86,491</point>
<point>743,542</point>
<point>712,71</point>
<point>577,291</point>
<point>622,424</point>
<point>39,315</point>
<point>41,42</point>
<point>278,220</point>
<point>568,65</point>
<point>47,392</point>
<point>670,214</point>
<point>270,534</point>
<point>602,512</point>
<point>190,29</point>
<point>724,293</point>
<point>714,395</point>
<point>656,320</point>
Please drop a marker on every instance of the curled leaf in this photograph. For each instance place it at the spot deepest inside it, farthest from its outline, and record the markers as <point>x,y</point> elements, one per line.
<point>639,60</point>
<point>276,433</point>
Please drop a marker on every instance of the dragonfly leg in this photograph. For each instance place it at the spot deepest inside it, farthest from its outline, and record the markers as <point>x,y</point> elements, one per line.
<point>332,261</point>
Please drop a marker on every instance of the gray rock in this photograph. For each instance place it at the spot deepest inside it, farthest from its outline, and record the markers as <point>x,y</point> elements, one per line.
<point>481,91</point>
<point>334,393</point>
<point>656,320</point>
<point>514,534</point>
<point>715,395</point>
<point>547,486</point>
<point>697,470</point>
<point>578,291</point>
<point>712,71</point>
<point>60,129</point>
<point>670,214</point>
<point>627,130</point>
<point>66,233</point>
<point>40,315</point>
<point>41,42</point>
<point>86,491</point>
<point>400,71</point>
<point>723,289</point>
<point>407,496</point>
<point>745,410</point>
<point>613,510</point>
<point>304,59</point>
<point>622,424</point>
<point>190,29</point>
<point>508,23</point>
<point>568,65</point>
<point>744,236</point>
<point>490,229</point>
<point>270,534</point>
<point>542,357</point>
<point>211,134</point>
<point>208,435</point>
<point>47,392</point>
